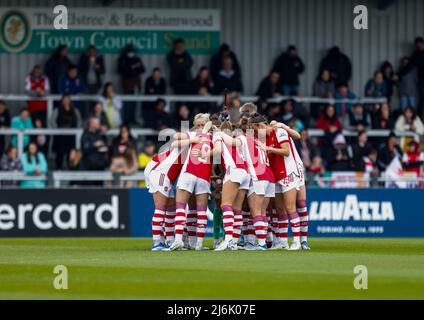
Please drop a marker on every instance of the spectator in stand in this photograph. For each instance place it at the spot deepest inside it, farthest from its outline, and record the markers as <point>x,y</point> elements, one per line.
<point>383,118</point>
<point>342,108</point>
<point>388,151</point>
<point>160,118</point>
<point>228,78</point>
<point>289,65</point>
<point>92,68</point>
<point>338,158</point>
<point>10,162</point>
<point>72,84</point>
<point>37,85</point>
<point>292,114</point>
<point>33,163</point>
<point>4,123</point>
<point>130,68</point>
<point>408,84</point>
<point>359,119</point>
<point>339,66</point>
<point>98,113</point>
<point>57,66</point>
<point>370,162</point>
<point>41,140</point>
<point>202,85</point>
<point>124,161</point>
<point>329,121</point>
<point>217,59</point>
<point>21,122</point>
<point>360,149</point>
<point>413,159</point>
<point>323,88</point>
<point>155,85</point>
<point>94,147</point>
<point>274,113</point>
<point>307,150</point>
<point>180,63</point>
<point>182,114</point>
<point>64,117</point>
<point>112,105</point>
<point>376,87</point>
<point>409,121</point>
<point>145,157</point>
<point>389,78</point>
<point>74,160</point>
<point>124,138</point>
<point>270,86</point>
<point>316,166</point>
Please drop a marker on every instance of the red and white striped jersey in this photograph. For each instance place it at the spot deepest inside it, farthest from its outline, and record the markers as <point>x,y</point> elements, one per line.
<point>283,166</point>
<point>197,166</point>
<point>170,162</point>
<point>257,161</point>
<point>231,156</point>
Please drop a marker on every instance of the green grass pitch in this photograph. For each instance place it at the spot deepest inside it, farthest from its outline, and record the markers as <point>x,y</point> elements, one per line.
<point>118,268</point>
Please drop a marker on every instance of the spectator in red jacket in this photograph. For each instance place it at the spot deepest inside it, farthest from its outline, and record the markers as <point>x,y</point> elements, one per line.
<point>329,121</point>
<point>37,85</point>
<point>413,159</point>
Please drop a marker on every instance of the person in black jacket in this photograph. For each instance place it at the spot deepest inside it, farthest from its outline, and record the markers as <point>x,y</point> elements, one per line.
<point>180,63</point>
<point>130,68</point>
<point>4,123</point>
<point>56,66</point>
<point>155,85</point>
<point>388,151</point>
<point>94,147</point>
<point>270,86</point>
<point>92,67</point>
<point>216,61</point>
<point>360,149</point>
<point>339,66</point>
<point>289,66</point>
<point>227,78</point>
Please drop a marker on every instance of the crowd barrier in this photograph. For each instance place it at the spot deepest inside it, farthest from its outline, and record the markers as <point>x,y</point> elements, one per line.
<point>127,213</point>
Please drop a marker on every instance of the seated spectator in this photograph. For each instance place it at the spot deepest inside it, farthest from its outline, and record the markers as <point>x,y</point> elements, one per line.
<point>409,121</point>
<point>33,163</point>
<point>274,113</point>
<point>338,158</point>
<point>307,150</point>
<point>383,118</point>
<point>329,121</point>
<point>4,123</point>
<point>408,84</point>
<point>125,160</point>
<point>376,87</point>
<point>145,157</point>
<point>56,66</point>
<point>41,140</point>
<point>316,166</point>
<point>202,85</point>
<point>155,85</point>
<point>339,66</point>
<point>370,162</point>
<point>413,159</point>
<point>64,117</point>
<point>180,63</point>
<point>270,86</point>
<point>112,105</point>
<point>342,108</point>
<point>323,88</point>
<point>37,85</point>
<point>290,115</point>
<point>227,78</point>
<point>234,108</point>
<point>98,113</point>
<point>388,151</point>
<point>92,68</point>
<point>182,115</point>
<point>360,149</point>
<point>74,160</point>
<point>21,122</point>
<point>94,147</point>
<point>289,65</point>
<point>389,78</point>
<point>217,59</point>
<point>72,84</point>
<point>10,162</point>
<point>124,138</point>
<point>160,118</point>
<point>359,118</point>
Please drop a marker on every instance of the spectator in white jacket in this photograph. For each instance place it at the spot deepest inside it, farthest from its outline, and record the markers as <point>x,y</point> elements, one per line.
<point>112,105</point>
<point>409,121</point>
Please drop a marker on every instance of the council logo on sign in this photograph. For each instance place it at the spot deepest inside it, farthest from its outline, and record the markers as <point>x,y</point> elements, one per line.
<point>15,31</point>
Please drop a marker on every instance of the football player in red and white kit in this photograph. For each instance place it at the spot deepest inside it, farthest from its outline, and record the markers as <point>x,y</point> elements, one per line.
<point>284,160</point>
<point>262,187</point>
<point>194,179</point>
<point>236,182</point>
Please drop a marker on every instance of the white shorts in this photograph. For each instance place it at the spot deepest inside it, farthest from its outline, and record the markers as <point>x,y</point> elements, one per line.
<point>262,188</point>
<point>147,171</point>
<point>239,176</point>
<point>291,182</point>
<point>159,182</point>
<point>193,184</point>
